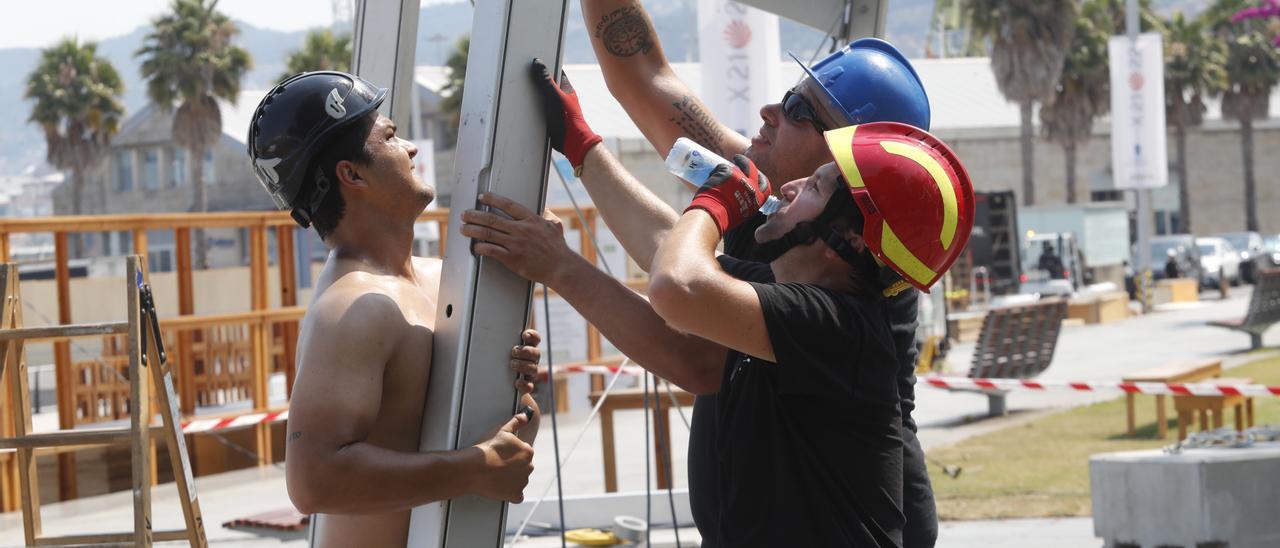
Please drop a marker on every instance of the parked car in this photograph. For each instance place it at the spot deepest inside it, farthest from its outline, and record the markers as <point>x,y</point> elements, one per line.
<point>1186,256</point>
<point>1220,261</point>
<point>1271,251</point>
<point>1249,246</point>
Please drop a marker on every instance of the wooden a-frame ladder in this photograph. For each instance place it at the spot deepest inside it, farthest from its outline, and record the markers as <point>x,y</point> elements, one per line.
<point>147,361</point>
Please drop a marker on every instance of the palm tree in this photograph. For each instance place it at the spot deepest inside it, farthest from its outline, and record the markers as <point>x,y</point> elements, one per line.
<point>77,104</point>
<point>1029,41</point>
<point>1252,69</point>
<point>452,91</point>
<point>188,58</point>
<point>1083,92</point>
<point>321,50</point>
<point>1192,73</point>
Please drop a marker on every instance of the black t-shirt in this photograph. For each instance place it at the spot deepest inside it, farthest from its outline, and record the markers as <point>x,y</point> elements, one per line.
<point>903,311</point>
<point>809,450</point>
<point>704,500</point>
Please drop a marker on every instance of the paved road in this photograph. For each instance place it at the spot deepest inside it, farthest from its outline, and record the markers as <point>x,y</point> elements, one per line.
<point>1103,352</point>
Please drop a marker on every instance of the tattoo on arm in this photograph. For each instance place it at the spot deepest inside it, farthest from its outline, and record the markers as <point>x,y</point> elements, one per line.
<point>293,436</point>
<point>698,124</point>
<point>625,32</point>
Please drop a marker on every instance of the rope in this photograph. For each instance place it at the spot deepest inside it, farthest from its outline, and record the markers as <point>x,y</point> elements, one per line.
<point>648,495</point>
<point>555,431</point>
<point>663,461</point>
<point>569,454</point>
<point>676,404</point>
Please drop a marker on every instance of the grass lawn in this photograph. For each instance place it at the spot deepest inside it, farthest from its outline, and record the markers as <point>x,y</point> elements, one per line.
<point>1041,469</point>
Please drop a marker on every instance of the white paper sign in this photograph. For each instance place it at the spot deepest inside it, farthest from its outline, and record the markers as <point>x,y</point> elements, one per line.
<point>738,46</point>
<point>1139,155</point>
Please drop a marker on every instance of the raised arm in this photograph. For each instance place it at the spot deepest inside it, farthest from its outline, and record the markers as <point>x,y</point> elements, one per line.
<point>641,79</point>
<point>633,212</point>
<point>330,466</point>
<point>693,294</point>
<point>689,289</point>
<point>534,248</point>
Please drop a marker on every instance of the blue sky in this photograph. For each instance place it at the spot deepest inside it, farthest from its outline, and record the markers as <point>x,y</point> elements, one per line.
<point>38,23</point>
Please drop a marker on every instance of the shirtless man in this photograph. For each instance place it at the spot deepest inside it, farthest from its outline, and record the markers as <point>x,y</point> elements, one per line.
<point>321,149</point>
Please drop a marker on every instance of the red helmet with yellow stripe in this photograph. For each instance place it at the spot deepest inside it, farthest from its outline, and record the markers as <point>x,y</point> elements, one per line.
<point>915,196</point>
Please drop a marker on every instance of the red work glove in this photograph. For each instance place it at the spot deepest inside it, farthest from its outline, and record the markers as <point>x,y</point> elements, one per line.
<point>732,194</point>
<point>567,129</point>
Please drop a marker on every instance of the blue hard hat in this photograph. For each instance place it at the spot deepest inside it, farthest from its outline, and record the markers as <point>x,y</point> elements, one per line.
<point>869,80</point>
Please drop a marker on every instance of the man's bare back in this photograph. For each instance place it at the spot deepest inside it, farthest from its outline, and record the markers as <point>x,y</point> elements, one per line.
<point>403,387</point>
<point>398,420</point>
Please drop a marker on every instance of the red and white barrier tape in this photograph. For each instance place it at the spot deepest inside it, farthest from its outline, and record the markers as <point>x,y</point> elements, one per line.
<point>939,381</point>
<point>596,369</point>
<point>1159,388</point>
<point>994,385</point>
<point>251,419</point>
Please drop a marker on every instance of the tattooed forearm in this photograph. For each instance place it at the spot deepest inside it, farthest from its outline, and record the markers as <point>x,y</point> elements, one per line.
<point>626,32</point>
<point>698,124</point>
<point>293,436</point>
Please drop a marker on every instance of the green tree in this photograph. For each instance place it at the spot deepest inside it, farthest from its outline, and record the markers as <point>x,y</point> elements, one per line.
<point>77,104</point>
<point>1083,91</point>
<point>452,91</point>
<point>1252,69</point>
<point>1193,72</point>
<point>188,58</point>
<point>321,50</point>
<point>1029,41</point>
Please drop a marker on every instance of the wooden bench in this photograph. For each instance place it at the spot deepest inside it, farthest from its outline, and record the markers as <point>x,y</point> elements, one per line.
<point>1187,406</point>
<point>1187,372</point>
<point>633,398</point>
<point>1264,309</point>
<point>1016,342</point>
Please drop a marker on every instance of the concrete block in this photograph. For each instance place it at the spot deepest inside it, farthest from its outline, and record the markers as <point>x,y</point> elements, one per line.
<point>1200,497</point>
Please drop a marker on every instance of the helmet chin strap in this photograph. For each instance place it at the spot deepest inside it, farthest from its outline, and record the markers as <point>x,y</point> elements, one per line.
<point>806,232</point>
<point>303,215</point>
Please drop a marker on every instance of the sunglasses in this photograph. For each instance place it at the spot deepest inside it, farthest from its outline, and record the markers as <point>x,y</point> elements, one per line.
<point>799,109</point>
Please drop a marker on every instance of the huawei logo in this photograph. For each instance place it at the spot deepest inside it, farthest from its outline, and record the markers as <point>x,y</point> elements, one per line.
<point>737,34</point>
<point>333,105</point>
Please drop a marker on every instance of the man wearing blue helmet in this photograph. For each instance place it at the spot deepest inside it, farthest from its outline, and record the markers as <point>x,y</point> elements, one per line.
<point>867,81</point>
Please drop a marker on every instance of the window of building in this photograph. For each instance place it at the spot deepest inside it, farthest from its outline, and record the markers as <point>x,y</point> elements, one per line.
<point>150,169</point>
<point>1106,196</point>
<point>124,171</point>
<point>178,173</point>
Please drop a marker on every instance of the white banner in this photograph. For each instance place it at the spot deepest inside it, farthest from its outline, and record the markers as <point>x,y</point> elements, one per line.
<point>738,46</point>
<point>1139,156</point>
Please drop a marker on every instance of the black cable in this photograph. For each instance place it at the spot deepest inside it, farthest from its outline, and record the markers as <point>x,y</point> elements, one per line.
<point>648,495</point>
<point>555,434</point>
<point>663,461</point>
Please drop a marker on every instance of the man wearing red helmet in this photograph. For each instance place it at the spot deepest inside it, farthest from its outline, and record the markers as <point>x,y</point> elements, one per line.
<point>322,151</point>
<point>866,81</point>
<point>810,349</point>
<point>807,419</point>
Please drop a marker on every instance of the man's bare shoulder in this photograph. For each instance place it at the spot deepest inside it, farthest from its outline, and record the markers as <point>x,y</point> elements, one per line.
<point>355,304</point>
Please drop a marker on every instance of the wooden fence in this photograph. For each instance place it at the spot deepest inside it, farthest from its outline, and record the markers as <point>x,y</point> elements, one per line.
<point>218,358</point>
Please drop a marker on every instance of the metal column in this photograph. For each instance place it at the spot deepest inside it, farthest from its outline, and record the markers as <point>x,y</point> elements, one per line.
<point>483,306</point>
<point>386,32</point>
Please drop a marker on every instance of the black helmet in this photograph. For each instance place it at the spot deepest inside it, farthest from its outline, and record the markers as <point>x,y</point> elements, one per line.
<point>294,121</point>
